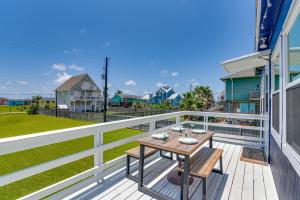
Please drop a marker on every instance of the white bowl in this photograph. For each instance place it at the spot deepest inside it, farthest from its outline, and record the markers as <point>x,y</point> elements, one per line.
<point>188,140</point>
<point>198,131</point>
<point>160,136</point>
<point>178,128</point>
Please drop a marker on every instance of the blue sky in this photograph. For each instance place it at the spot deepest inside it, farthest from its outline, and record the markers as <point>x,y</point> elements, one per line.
<point>154,42</point>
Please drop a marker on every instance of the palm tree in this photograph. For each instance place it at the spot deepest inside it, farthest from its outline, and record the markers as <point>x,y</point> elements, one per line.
<point>205,93</point>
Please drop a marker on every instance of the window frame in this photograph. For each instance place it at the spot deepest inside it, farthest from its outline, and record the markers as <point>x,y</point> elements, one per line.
<point>277,135</point>
<point>288,151</point>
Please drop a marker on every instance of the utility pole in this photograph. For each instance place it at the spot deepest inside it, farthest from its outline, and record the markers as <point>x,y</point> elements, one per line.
<point>105,88</point>
<point>56,103</point>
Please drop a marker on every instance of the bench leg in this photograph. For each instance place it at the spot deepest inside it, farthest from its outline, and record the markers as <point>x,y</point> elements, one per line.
<point>221,165</point>
<point>204,189</point>
<point>164,156</point>
<point>128,165</point>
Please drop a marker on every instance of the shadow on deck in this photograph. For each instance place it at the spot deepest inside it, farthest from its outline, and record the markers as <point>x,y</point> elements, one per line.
<point>240,180</point>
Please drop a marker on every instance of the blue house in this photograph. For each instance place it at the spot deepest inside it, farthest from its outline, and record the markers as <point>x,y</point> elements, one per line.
<point>18,102</point>
<point>277,60</point>
<point>162,95</point>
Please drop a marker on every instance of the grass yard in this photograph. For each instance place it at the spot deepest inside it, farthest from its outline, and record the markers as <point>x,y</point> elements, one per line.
<point>13,108</point>
<point>19,124</point>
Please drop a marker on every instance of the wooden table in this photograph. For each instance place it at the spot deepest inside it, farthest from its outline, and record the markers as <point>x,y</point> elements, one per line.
<point>174,146</point>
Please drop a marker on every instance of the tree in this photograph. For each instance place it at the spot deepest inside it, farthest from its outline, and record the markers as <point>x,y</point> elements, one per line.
<point>119,92</point>
<point>205,93</point>
<point>201,98</point>
<point>34,108</point>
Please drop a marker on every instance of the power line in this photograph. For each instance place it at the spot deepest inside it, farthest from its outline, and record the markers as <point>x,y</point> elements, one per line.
<point>38,45</point>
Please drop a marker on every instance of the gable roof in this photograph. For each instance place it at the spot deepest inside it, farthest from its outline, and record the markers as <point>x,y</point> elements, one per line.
<point>166,88</point>
<point>71,82</point>
<point>242,74</point>
<point>174,96</point>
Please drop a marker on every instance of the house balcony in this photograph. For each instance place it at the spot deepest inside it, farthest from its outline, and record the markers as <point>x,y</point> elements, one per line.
<point>107,180</point>
<point>254,95</point>
<point>84,98</point>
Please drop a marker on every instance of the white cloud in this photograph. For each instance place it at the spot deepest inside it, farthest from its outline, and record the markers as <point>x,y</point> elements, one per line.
<point>193,82</point>
<point>159,84</point>
<point>47,73</point>
<point>59,67</point>
<point>22,82</point>
<point>82,31</point>
<point>107,43</point>
<point>73,51</point>
<point>62,77</point>
<point>75,67</point>
<point>174,74</point>
<point>3,87</point>
<point>130,83</point>
<point>146,92</point>
<point>109,85</point>
<point>8,82</point>
<point>176,85</point>
<point>164,72</point>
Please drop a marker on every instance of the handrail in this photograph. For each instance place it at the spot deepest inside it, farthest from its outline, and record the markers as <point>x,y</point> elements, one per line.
<point>20,143</point>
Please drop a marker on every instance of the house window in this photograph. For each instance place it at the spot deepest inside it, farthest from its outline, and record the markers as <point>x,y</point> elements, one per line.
<point>294,51</point>
<point>276,73</point>
<point>293,87</point>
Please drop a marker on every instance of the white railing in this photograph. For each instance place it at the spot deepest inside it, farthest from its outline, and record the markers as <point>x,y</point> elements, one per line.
<point>101,169</point>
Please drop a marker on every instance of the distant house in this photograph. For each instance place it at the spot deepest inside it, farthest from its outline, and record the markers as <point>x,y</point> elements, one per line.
<point>47,102</point>
<point>174,100</point>
<point>80,93</point>
<point>163,94</point>
<point>124,100</point>
<point>242,92</point>
<point>3,101</point>
<point>19,102</point>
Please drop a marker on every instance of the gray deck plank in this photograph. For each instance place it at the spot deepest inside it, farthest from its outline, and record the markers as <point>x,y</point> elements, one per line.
<point>241,180</point>
<point>247,193</point>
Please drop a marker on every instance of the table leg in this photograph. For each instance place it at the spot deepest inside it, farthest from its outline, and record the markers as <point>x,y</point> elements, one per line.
<point>210,142</point>
<point>185,179</point>
<point>141,166</point>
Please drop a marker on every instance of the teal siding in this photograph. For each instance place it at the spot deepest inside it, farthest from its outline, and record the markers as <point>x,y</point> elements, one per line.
<point>116,99</point>
<point>241,88</point>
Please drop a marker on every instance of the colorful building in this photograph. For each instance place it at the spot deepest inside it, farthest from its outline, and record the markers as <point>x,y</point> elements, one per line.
<point>124,100</point>
<point>19,102</point>
<point>242,92</point>
<point>3,101</point>
<point>47,102</point>
<point>162,95</point>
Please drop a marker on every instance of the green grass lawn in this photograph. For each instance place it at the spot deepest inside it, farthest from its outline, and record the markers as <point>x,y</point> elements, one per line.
<point>12,108</point>
<point>13,125</point>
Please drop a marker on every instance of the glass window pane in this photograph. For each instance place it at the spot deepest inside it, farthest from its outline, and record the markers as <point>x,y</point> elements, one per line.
<point>293,117</point>
<point>294,51</point>
<point>276,74</point>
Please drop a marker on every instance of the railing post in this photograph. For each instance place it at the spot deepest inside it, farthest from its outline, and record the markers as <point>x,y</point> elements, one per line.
<point>177,120</point>
<point>205,122</point>
<point>151,126</point>
<point>98,154</point>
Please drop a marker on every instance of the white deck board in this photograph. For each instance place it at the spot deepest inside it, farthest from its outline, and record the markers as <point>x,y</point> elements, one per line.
<point>241,180</point>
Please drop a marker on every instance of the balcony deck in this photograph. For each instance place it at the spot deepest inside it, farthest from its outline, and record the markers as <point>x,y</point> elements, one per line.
<point>241,180</point>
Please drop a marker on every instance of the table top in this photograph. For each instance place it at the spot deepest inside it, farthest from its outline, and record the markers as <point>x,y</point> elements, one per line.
<point>173,145</point>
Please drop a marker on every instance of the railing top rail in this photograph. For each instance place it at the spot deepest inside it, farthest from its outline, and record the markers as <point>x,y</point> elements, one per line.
<point>19,143</point>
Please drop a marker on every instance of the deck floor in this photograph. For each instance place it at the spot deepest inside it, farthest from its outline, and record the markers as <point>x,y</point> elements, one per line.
<point>241,180</point>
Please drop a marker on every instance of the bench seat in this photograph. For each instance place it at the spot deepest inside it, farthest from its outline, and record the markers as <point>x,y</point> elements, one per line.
<point>203,163</point>
<point>135,152</point>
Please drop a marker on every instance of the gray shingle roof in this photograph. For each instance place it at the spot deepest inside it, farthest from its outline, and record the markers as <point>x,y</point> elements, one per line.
<point>129,96</point>
<point>70,83</point>
<point>241,74</point>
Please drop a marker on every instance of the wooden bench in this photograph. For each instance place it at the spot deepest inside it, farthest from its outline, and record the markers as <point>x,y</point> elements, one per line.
<point>202,164</point>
